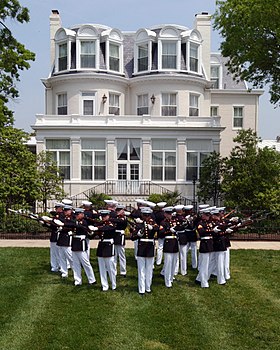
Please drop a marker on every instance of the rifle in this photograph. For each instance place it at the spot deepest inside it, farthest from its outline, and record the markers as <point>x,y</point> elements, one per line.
<point>42,219</point>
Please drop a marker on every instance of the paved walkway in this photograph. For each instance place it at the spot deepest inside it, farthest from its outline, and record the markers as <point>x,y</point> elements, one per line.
<point>42,243</point>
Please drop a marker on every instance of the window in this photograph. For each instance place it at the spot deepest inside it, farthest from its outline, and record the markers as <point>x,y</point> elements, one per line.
<point>62,104</point>
<point>88,103</point>
<point>169,55</point>
<point>215,76</point>
<point>193,107</point>
<point>163,160</point>
<point>193,57</point>
<point>238,117</point>
<point>62,57</point>
<point>88,56</point>
<point>142,58</point>
<point>128,149</point>
<point>114,104</point>
<point>194,164</point>
<point>142,104</point>
<point>169,107</point>
<point>114,57</point>
<point>93,155</point>
<point>214,111</point>
<point>60,151</point>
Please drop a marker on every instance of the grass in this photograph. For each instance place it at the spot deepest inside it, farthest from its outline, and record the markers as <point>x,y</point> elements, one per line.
<point>38,310</point>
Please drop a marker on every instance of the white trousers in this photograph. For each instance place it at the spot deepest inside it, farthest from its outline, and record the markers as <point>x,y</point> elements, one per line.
<point>159,251</point>
<point>145,273</point>
<point>65,258</point>
<point>120,253</point>
<point>135,243</point>
<point>54,257</point>
<point>227,264</point>
<point>220,267</point>
<point>107,265</point>
<point>170,262</point>
<point>81,259</point>
<point>203,275</point>
<point>88,244</point>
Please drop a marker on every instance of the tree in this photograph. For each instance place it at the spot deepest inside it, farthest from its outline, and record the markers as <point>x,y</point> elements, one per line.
<point>18,173</point>
<point>13,57</point>
<point>251,33</point>
<point>209,187</point>
<point>171,198</point>
<point>50,180</point>
<point>251,176</point>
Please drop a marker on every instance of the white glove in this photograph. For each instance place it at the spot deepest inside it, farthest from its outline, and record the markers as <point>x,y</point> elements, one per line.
<point>70,233</point>
<point>216,229</point>
<point>234,219</point>
<point>238,225</point>
<point>46,218</point>
<point>140,234</point>
<point>150,227</point>
<point>229,230</point>
<point>172,230</point>
<point>33,216</point>
<point>127,213</point>
<point>42,222</point>
<point>93,228</point>
<point>58,222</point>
<point>138,221</point>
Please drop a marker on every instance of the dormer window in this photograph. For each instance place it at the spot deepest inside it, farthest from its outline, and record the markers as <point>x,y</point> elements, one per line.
<point>193,41</point>
<point>88,56</point>
<point>169,49</point>
<point>194,58</point>
<point>143,50</point>
<point>142,58</point>
<point>216,71</point>
<point>62,56</point>
<point>64,39</point>
<point>114,57</point>
<point>87,48</point>
<point>113,39</point>
<point>169,55</point>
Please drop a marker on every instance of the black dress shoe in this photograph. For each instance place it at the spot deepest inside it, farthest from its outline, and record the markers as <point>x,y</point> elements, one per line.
<point>197,282</point>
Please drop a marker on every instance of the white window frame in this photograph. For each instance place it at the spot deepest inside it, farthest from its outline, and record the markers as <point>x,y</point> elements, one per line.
<point>87,96</point>
<point>169,106</point>
<point>64,104</point>
<point>57,151</point>
<point>212,109</point>
<point>93,165</point>
<point>142,103</point>
<point>164,152</point>
<point>80,54</point>
<point>216,80</point>
<point>238,117</point>
<point>194,107</point>
<point>194,39</point>
<point>199,155</point>
<point>175,41</point>
<point>115,98</point>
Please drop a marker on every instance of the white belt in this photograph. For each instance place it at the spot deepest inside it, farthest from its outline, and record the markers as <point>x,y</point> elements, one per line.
<point>146,240</point>
<point>81,237</point>
<point>120,231</point>
<point>181,231</point>
<point>110,240</point>
<point>169,237</point>
<point>206,237</point>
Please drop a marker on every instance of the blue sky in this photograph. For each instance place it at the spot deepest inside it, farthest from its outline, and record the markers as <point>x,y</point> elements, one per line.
<point>122,14</point>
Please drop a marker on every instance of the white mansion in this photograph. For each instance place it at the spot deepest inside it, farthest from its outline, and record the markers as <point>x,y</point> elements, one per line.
<point>131,110</point>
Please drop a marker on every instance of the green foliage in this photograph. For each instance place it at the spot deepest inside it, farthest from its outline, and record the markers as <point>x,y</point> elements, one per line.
<point>16,224</point>
<point>251,33</point>
<point>171,198</point>
<point>209,187</point>
<point>97,199</point>
<point>50,180</point>
<point>251,176</point>
<point>14,57</point>
<point>18,173</point>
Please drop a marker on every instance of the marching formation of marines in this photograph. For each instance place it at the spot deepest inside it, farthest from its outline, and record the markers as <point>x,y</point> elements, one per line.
<point>162,235</point>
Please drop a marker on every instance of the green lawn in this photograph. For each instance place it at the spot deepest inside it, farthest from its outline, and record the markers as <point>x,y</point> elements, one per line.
<point>38,310</point>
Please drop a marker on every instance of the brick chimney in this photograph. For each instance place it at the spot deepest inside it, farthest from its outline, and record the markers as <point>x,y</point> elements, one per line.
<point>203,25</point>
<point>55,24</point>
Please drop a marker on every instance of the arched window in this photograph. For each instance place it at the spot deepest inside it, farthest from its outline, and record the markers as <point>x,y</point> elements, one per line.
<point>87,48</point>
<point>169,49</point>
<point>113,39</point>
<point>63,42</point>
<point>143,50</point>
<point>193,41</point>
